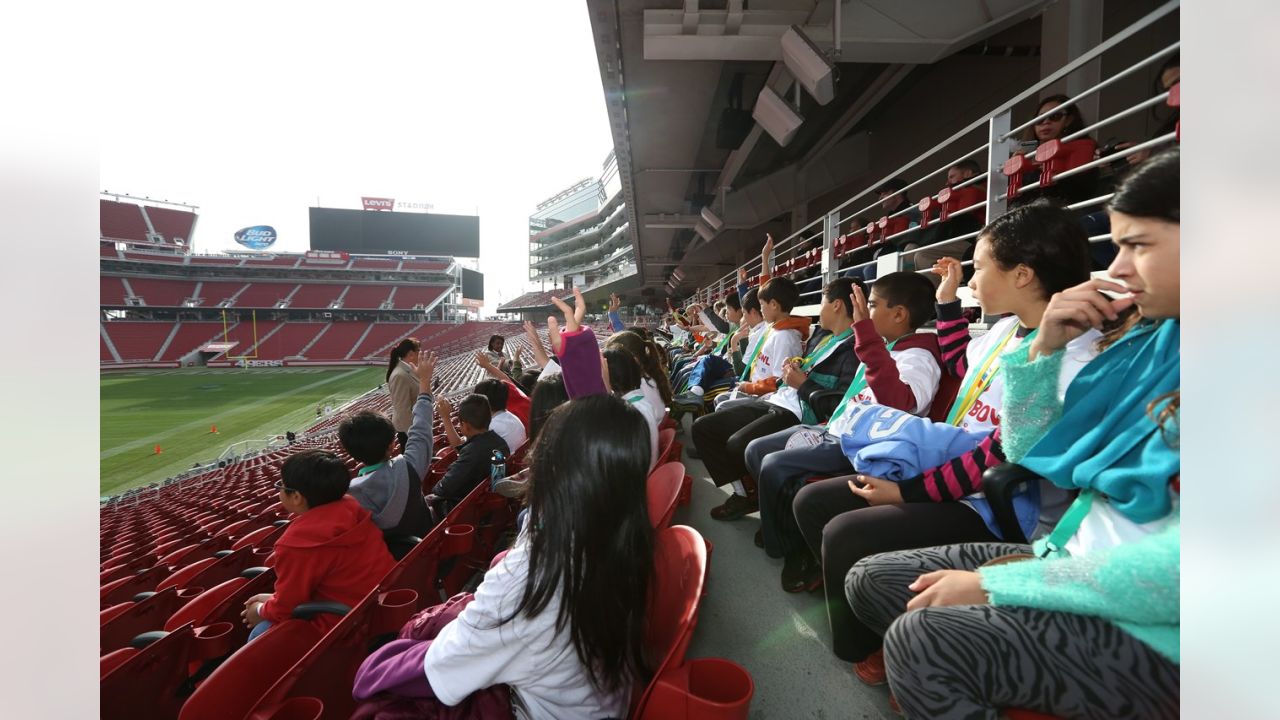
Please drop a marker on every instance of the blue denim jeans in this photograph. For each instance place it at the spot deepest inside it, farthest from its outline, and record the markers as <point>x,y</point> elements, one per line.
<point>258,629</point>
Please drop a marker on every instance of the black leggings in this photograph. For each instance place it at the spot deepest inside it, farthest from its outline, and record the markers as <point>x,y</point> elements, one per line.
<point>970,661</point>
<point>841,529</point>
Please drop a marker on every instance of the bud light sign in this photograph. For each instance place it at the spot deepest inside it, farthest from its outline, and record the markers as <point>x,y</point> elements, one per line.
<point>258,237</point>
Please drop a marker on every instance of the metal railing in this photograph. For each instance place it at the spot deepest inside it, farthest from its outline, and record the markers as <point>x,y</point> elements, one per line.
<point>1000,144</point>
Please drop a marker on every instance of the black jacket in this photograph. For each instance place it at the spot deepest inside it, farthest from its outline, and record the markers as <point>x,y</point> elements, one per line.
<point>471,467</point>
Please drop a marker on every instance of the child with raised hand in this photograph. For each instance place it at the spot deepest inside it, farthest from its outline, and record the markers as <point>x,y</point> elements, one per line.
<point>560,619</point>
<point>517,400</point>
<point>390,486</point>
<point>722,437</point>
<point>1104,582</point>
<point>330,551</point>
<point>475,442</point>
<point>1021,260</point>
<point>900,369</point>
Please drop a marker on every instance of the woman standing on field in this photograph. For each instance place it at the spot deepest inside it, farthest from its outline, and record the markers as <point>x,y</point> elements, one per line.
<point>402,384</point>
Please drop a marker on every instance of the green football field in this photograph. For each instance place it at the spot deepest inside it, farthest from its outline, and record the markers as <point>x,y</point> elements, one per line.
<point>175,409</point>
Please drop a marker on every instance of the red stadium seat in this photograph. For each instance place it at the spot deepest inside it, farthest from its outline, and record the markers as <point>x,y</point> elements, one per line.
<point>703,688</point>
<point>1057,157</point>
<point>235,687</point>
<point>327,672</point>
<point>663,491</point>
<point>147,684</point>
<point>1015,168</point>
<point>139,617</point>
<point>952,201</point>
<point>118,591</point>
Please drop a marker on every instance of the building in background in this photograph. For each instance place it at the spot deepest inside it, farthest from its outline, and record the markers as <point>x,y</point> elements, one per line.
<point>579,236</point>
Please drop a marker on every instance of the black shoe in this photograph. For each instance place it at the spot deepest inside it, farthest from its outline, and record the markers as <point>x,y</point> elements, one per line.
<point>759,538</point>
<point>737,506</point>
<point>801,572</point>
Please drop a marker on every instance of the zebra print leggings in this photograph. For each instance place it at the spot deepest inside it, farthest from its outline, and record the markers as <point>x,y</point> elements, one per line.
<point>971,661</point>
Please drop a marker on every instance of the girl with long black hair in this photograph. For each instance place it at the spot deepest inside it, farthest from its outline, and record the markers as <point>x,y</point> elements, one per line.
<point>560,619</point>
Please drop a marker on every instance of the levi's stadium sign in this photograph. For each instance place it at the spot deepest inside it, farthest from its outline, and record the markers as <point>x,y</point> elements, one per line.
<point>376,203</point>
<point>258,237</point>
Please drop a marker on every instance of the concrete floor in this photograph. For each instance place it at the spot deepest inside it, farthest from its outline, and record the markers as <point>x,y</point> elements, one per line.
<point>781,638</point>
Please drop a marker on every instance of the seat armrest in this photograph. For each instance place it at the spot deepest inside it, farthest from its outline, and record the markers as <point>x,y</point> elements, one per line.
<point>308,610</point>
<point>999,484</point>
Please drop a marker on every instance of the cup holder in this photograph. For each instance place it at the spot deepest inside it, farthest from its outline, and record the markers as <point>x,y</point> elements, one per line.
<point>458,539</point>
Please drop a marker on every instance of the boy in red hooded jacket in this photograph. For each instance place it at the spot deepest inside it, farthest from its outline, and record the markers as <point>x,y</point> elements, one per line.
<point>330,551</point>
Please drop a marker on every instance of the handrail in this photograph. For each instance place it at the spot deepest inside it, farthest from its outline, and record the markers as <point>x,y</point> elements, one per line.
<point>995,134</point>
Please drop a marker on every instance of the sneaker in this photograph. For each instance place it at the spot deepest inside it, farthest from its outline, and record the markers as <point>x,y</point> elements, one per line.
<point>511,486</point>
<point>759,538</point>
<point>737,506</point>
<point>801,572</point>
<point>871,671</point>
<point>687,399</point>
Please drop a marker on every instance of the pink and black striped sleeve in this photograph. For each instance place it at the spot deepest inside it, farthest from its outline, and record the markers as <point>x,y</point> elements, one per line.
<point>953,337</point>
<point>958,477</point>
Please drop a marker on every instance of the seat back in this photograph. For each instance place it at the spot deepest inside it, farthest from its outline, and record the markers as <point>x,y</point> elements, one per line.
<point>679,569</point>
<point>148,684</point>
<point>327,672</point>
<point>234,688</point>
<point>666,440</point>
<point>143,616</point>
<point>663,488</point>
<point>948,386</point>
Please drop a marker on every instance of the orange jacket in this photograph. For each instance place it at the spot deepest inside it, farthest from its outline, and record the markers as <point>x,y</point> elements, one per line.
<point>770,384</point>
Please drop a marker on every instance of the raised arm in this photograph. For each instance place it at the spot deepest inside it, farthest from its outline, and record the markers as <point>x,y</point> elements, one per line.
<point>487,365</point>
<point>577,349</point>
<point>539,352</point>
<point>418,449</point>
<point>615,320</point>
<point>445,410</point>
<point>953,328</point>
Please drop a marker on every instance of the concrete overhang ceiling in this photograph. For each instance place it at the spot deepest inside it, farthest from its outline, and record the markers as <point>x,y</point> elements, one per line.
<point>667,71</point>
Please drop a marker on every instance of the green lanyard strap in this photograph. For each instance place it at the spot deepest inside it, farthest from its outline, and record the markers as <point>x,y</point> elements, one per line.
<point>1069,525</point>
<point>858,385</point>
<point>755,354</point>
<point>981,380</point>
<point>829,343</point>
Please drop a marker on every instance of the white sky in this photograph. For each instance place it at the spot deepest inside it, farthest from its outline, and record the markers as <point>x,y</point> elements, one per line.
<point>253,110</point>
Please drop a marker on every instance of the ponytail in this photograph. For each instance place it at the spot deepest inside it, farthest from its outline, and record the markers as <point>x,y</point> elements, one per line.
<point>404,347</point>
<point>648,356</point>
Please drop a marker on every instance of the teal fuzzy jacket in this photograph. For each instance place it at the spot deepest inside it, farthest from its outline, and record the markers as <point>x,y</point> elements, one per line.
<point>1135,586</point>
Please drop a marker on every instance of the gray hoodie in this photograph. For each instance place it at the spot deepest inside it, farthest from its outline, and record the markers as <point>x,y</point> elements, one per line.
<point>392,492</point>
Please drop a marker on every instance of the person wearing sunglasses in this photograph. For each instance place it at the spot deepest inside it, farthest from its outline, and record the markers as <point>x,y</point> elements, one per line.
<point>1059,121</point>
<point>331,549</point>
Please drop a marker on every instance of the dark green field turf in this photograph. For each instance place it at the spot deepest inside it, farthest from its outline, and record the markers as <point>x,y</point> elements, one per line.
<point>174,409</point>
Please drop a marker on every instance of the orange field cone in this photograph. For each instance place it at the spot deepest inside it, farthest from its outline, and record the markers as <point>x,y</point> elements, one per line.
<point>158,450</point>
<point>213,429</point>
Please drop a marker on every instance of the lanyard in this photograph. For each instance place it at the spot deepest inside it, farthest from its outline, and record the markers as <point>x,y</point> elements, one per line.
<point>723,341</point>
<point>1069,524</point>
<point>755,354</point>
<point>859,383</point>
<point>829,344</point>
<point>980,381</point>
<point>370,468</point>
